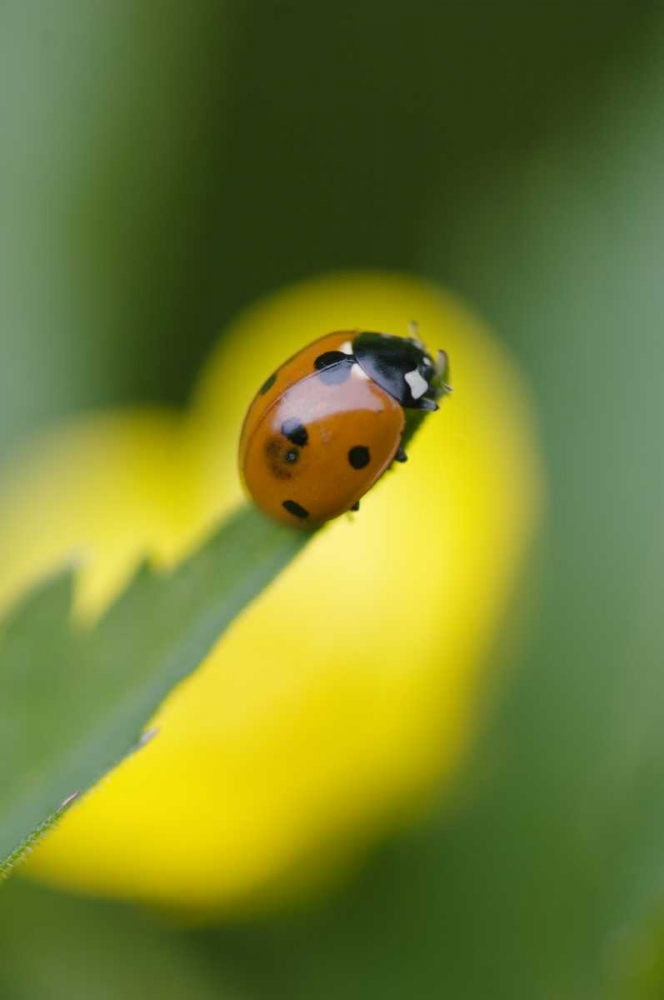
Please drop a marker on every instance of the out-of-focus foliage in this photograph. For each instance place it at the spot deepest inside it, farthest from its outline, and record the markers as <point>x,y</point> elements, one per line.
<point>112,130</point>
<point>125,953</point>
<point>515,152</point>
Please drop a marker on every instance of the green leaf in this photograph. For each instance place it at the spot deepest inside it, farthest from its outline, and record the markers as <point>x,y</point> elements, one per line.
<point>74,701</point>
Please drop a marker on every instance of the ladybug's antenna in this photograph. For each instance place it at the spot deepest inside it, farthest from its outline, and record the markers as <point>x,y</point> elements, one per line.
<point>413,331</point>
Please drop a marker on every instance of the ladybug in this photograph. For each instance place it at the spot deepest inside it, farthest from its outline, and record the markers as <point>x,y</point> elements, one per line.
<point>327,424</point>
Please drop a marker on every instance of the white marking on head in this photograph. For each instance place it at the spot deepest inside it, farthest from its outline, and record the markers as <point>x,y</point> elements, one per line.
<point>346,348</point>
<point>418,385</point>
<point>358,372</point>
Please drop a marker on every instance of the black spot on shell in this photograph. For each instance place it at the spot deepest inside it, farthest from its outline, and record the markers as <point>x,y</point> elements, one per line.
<point>266,386</point>
<point>295,431</point>
<point>294,508</point>
<point>334,367</point>
<point>278,460</point>
<point>359,456</point>
<point>356,505</point>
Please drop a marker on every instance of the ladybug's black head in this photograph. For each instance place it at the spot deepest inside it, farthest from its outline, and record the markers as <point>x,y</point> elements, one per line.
<point>403,367</point>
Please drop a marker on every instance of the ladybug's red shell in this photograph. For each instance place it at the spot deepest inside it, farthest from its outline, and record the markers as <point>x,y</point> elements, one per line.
<point>318,435</point>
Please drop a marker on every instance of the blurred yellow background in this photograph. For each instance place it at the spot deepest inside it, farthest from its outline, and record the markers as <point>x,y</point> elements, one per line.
<point>348,690</point>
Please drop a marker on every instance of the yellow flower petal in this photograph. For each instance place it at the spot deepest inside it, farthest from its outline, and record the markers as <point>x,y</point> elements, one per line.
<point>349,689</point>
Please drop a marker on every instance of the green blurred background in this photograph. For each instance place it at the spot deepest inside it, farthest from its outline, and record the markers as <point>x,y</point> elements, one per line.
<point>161,166</point>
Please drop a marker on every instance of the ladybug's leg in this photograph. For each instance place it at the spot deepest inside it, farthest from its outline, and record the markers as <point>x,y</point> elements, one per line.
<point>400,456</point>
